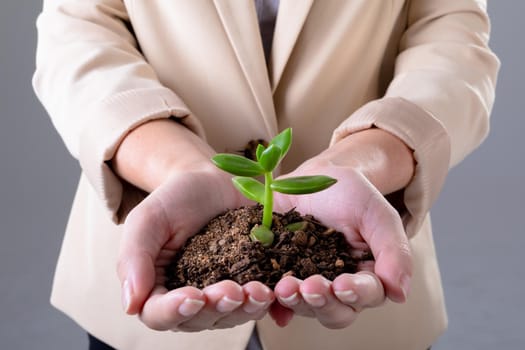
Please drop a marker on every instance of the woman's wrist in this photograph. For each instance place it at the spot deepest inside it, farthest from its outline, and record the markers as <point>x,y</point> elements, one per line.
<point>384,159</point>
<point>151,152</point>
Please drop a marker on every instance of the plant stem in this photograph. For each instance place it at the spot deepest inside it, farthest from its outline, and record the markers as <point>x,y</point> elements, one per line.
<point>268,200</point>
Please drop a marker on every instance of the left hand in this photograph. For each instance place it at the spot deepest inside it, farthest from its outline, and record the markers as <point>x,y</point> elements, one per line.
<point>355,207</point>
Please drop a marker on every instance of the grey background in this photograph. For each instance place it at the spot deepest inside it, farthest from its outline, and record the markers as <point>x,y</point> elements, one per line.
<point>478,220</point>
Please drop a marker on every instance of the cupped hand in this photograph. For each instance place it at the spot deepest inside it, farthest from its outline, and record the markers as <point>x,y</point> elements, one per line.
<point>154,230</point>
<point>356,208</point>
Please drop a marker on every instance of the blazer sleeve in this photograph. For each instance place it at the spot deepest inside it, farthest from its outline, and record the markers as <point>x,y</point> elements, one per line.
<point>440,98</point>
<point>96,86</point>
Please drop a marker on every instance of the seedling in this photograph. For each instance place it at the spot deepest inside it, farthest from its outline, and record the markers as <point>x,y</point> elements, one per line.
<point>268,158</point>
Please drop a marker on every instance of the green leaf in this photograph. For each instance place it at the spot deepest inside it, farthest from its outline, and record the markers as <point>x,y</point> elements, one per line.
<point>250,188</point>
<point>283,140</point>
<point>270,157</point>
<point>262,234</point>
<point>260,149</point>
<point>303,184</point>
<point>237,165</point>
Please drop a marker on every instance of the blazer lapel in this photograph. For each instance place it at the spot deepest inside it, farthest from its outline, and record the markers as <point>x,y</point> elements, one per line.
<point>290,20</point>
<point>239,19</point>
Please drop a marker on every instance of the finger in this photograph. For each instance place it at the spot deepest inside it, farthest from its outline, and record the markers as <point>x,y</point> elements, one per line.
<point>288,293</point>
<point>167,310</point>
<point>257,300</point>
<point>222,299</point>
<point>359,291</point>
<point>382,229</point>
<point>317,293</point>
<point>145,233</point>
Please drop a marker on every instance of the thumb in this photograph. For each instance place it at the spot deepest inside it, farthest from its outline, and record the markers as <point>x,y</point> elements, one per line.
<point>145,232</point>
<point>383,230</point>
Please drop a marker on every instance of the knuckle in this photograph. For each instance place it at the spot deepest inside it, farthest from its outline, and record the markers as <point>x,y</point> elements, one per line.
<point>404,250</point>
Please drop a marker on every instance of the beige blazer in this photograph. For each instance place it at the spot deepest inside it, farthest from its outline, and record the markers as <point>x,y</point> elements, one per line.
<point>420,69</point>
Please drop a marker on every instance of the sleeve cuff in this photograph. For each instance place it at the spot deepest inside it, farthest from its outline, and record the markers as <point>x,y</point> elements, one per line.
<point>112,119</point>
<point>420,131</point>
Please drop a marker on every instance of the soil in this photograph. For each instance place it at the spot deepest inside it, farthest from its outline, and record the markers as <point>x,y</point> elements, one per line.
<point>223,250</point>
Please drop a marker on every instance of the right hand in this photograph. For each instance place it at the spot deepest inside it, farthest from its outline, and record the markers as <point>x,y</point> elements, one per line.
<point>153,232</point>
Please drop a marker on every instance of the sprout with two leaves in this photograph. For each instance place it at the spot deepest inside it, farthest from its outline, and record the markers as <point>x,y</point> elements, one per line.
<point>268,158</point>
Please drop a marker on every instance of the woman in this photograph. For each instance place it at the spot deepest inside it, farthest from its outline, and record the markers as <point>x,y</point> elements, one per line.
<point>385,96</point>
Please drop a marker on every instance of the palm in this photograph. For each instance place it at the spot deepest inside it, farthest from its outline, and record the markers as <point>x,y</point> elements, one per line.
<point>356,208</point>
<point>155,230</point>
<point>342,207</point>
<point>189,201</point>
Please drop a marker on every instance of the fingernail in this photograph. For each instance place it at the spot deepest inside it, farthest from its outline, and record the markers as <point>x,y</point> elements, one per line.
<point>190,307</point>
<point>404,281</point>
<point>126,295</point>
<point>291,300</point>
<point>315,300</point>
<point>252,306</point>
<point>346,296</point>
<point>227,305</point>
<point>364,279</point>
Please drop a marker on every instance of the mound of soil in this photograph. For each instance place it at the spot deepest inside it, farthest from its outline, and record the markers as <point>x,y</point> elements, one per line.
<point>223,250</point>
